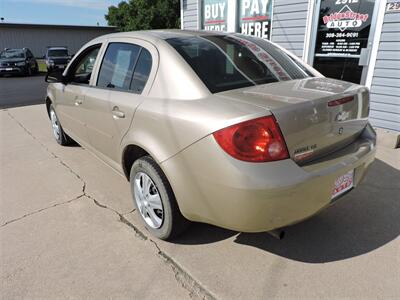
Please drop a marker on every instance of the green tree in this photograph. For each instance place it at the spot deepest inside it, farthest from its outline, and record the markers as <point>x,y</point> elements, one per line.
<point>144,14</point>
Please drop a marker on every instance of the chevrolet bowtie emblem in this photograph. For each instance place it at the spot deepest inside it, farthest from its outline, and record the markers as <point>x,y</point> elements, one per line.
<point>342,116</point>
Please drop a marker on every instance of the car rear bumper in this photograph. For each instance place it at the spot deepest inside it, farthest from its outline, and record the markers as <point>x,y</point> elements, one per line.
<point>212,187</point>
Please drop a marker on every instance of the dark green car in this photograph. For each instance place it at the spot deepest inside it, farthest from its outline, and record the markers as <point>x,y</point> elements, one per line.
<point>18,62</point>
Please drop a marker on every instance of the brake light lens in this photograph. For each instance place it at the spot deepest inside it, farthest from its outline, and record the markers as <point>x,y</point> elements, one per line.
<point>340,101</point>
<point>258,140</point>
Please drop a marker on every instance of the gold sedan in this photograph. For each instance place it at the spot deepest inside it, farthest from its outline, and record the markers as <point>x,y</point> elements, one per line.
<point>220,128</point>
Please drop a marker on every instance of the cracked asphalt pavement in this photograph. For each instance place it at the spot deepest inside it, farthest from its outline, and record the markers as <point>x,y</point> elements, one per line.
<point>68,230</point>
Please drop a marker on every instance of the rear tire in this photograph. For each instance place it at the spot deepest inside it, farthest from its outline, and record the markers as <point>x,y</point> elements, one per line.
<point>61,137</point>
<point>155,200</point>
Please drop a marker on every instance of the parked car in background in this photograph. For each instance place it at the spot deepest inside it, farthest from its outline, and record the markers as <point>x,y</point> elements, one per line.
<point>18,62</point>
<point>57,57</point>
<point>219,128</point>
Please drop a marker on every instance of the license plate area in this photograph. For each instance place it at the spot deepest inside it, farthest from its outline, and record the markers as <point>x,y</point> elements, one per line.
<point>343,184</point>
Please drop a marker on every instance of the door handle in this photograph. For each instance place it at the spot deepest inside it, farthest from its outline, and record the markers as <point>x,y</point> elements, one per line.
<point>78,102</point>
<point>117,114</point>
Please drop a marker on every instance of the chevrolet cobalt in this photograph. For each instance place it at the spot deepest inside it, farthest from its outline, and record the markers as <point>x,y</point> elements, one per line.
<point>211,127</point>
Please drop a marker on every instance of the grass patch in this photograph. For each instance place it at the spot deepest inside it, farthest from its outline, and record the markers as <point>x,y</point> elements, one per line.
<point>42,66</point>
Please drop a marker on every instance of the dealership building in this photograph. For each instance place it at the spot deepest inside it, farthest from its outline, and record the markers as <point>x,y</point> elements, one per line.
<point>37,37</point>
<point>352,40</point>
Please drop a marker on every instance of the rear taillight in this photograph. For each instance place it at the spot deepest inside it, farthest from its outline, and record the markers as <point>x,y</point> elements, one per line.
<point>258,140</point>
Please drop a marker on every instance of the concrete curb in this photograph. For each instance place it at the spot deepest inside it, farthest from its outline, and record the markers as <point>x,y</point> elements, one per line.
<point>388,138</point>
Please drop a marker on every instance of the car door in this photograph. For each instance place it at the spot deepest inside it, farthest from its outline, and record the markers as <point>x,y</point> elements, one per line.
<point>70,99</point>
<point>121,84</point>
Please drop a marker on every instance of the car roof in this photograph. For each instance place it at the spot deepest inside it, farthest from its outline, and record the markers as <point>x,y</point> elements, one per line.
<point>12,49</point>
<point>161,34</point>
<point>176,33</point>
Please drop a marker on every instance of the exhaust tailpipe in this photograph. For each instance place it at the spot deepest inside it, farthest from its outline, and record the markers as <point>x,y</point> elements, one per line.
<point>277,233</point>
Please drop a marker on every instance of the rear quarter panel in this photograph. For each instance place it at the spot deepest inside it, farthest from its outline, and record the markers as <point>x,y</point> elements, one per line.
<point>179,110</point>
<point>164,127</point>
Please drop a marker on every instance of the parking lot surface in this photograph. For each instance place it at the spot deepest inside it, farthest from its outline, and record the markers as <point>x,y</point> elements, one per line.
<point>68,230</point>
<point>21,90</point>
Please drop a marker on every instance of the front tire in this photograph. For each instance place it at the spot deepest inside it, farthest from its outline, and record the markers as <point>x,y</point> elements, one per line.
<point>155,200</point>
<point>61,137</point>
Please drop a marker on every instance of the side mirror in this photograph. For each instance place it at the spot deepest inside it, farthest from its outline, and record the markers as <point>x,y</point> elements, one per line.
<point>56,76</point>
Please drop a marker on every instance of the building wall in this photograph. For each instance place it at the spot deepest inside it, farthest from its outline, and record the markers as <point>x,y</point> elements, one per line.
<point>385,88</point>
<point>289,29</point>
<point>289,24</point>
<point>37,38</point>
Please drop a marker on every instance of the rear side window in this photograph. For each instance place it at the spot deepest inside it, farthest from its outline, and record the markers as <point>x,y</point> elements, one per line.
<point>118,65</point>
<point>142,71</point>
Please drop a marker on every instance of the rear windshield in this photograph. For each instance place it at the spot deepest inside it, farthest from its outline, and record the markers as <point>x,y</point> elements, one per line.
<point>58,53</point>
<point>12,53</point>
<point>225,62</point>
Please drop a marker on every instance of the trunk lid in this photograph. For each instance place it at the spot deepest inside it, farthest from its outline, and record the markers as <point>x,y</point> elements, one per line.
<point>316,115</point>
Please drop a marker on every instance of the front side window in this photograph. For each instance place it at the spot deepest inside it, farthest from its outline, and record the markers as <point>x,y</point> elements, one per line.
<point>225,62</point>
<point>118,65</point>
<point>84,66</point>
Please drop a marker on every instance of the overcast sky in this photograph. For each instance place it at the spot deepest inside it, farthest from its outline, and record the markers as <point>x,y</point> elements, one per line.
<point>68,12</point>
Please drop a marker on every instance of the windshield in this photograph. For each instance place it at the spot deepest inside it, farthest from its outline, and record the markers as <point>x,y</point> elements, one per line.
<point>225,62</point>
<point>12,53</point>
<point>58,53</point>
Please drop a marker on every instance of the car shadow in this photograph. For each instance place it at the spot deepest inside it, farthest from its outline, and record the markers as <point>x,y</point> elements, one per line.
<point>73,144</point>
<point>360,222</point>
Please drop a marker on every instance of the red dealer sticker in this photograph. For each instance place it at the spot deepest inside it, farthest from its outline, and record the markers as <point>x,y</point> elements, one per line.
<point>343,184</point>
